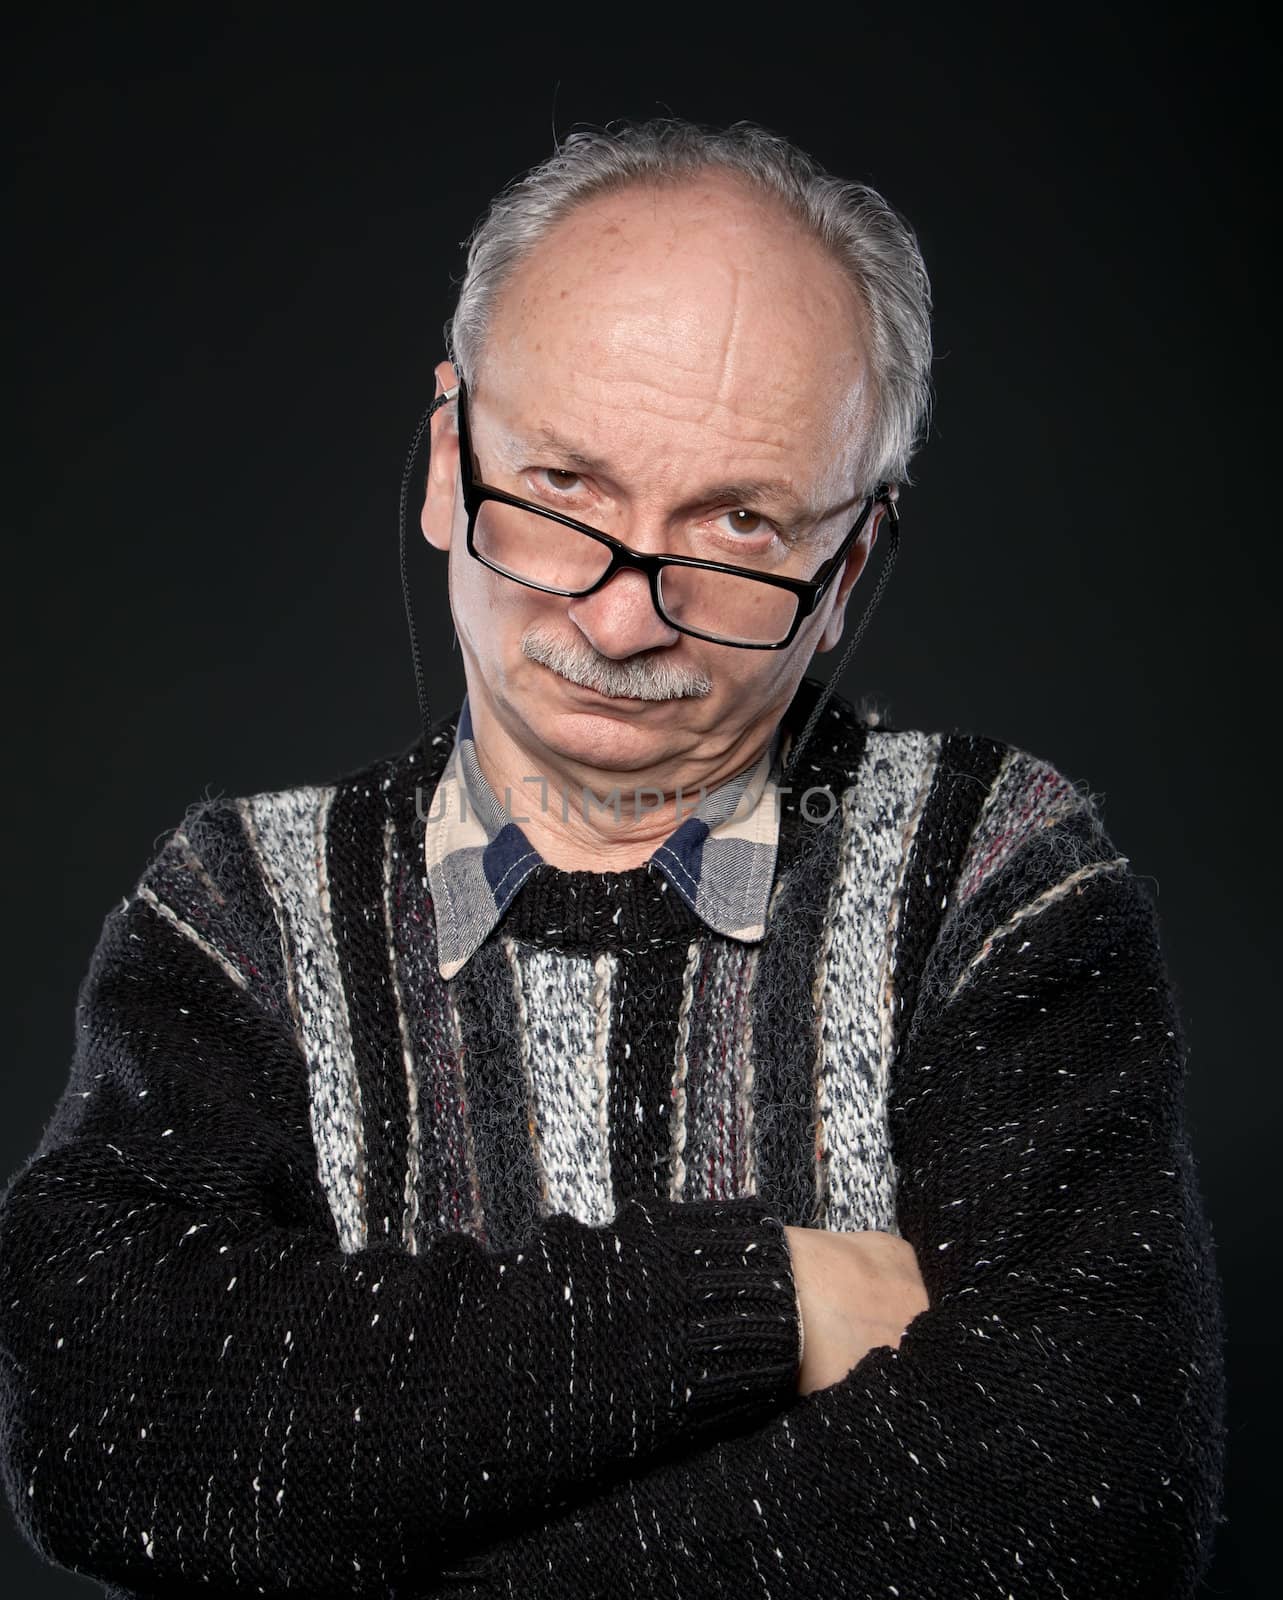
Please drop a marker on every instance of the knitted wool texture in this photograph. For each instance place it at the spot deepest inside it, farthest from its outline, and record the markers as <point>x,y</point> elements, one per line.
<point>330,1277</point>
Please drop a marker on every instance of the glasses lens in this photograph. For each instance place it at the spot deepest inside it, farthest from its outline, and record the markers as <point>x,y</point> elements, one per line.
<point>722,606</point>
<point>539,551</point>
<point>535,549</point>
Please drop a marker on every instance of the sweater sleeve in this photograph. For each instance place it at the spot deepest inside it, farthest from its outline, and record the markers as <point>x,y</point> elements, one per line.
<point>1053,1423</point>
<point>199,1388</point>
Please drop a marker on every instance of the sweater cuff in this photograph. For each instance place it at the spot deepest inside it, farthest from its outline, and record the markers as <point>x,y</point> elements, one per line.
<point>740,1346</point>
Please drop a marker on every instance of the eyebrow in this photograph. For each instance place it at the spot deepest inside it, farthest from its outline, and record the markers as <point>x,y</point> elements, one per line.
<point>766,493</point>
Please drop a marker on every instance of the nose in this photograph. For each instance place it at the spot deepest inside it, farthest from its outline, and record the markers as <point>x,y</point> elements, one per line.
<point>620,619</point>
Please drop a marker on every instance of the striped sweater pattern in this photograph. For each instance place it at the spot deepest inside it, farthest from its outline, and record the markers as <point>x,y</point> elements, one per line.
<point>334,1277</point>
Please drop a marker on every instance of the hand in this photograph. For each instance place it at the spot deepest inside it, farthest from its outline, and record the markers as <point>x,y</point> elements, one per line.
<point>857,1291</point>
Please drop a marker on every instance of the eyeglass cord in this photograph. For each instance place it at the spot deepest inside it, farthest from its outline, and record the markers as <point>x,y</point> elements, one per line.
<point>888,561</point>
<point>416,444</point>
<point>425,712</point>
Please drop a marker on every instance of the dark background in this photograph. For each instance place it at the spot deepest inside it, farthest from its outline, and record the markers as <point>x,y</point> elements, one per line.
<point>234,237</point>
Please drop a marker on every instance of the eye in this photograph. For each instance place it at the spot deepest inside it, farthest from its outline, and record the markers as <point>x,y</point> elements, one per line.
<point>743,521</point>
<point>559,479</point>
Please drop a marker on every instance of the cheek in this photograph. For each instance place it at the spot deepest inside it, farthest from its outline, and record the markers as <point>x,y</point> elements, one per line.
<point>742,680</point>
<point>490,611</point>
<point>764,681</point>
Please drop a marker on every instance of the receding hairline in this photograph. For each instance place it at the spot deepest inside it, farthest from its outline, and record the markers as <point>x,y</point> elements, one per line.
<point>771,205</point>
<point>874,248</point>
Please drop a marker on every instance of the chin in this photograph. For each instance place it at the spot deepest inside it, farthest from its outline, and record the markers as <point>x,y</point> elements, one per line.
<point>606,739</point>
<point>541,710</point>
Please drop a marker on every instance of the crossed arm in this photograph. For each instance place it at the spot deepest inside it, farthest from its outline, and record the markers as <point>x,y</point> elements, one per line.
<point>200,1388</point>
<point>1052,1425</point>
<point>201,1391</point>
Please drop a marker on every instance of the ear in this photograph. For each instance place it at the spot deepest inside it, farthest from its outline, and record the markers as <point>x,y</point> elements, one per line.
<point>856,560</point>
<point>441,491</point>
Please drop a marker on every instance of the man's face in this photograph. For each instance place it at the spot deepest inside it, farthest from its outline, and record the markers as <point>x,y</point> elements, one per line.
<point>664,356</point>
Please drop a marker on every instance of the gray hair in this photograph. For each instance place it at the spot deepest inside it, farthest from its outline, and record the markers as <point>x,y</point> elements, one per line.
<point>870,241</point>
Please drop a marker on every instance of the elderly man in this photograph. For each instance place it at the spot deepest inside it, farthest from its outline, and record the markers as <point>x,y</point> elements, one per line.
<point>667,1134</point>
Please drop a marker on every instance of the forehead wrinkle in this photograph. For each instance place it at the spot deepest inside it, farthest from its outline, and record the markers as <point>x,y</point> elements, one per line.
<point>739,431</point>
<point>727,364</point>
<point>734,424</point>
<point>750,439</point>
<point>727,426</point>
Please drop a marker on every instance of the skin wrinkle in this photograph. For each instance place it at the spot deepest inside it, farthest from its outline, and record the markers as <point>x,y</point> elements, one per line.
<point>686,341</point>
<point>639,405</point>
<point>638,393</point>
<point>515,448</point>
<point>725,388</point>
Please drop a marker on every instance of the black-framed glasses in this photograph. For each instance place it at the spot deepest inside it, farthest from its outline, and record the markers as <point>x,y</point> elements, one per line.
<point>547,550</point>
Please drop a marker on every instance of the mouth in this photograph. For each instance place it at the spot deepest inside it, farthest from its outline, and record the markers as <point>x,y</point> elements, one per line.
<point>610,699</point>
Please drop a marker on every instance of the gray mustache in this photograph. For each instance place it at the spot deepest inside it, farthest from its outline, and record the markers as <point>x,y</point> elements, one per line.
<point>636,677</point>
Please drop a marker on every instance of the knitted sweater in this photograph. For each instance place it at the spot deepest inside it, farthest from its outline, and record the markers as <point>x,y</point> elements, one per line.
<point>331,1276</point>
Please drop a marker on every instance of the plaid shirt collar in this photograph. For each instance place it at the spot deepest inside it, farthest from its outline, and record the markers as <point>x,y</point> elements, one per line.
<point>720,858</point>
